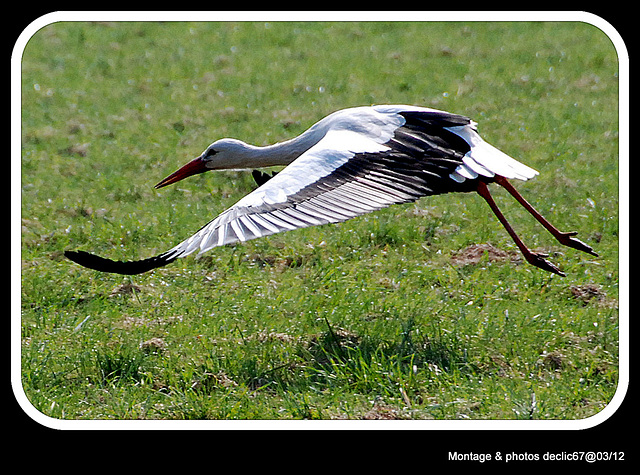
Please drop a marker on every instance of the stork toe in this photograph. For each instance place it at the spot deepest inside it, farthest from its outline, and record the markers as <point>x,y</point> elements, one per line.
<point>539,261</point>
<point>568,240</point>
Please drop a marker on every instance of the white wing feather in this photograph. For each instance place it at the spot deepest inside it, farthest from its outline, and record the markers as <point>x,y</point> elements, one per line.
<point>485,159</point>
<point>258,213</point>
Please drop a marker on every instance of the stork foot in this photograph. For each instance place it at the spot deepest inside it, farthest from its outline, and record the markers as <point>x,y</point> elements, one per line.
<point>567,239</point>
<point>538,260</point>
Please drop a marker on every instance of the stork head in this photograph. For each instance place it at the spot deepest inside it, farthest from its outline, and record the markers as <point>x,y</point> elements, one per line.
<point>222,154</point>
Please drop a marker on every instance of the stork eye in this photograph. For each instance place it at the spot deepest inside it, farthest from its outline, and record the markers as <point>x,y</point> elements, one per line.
<point>210,153</point>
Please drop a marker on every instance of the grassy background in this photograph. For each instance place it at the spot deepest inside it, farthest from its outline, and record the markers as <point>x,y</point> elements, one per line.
<point>383,317</point>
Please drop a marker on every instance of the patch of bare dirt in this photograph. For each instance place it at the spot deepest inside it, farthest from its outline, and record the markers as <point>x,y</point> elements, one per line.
<point>554,360</point>
<point>591,293</point>
<point>587,292</point>
<point>476,253</point>
<point>153,345</point>
<point>124,289</point>
<point>208,382</point>
<point>382,412</point>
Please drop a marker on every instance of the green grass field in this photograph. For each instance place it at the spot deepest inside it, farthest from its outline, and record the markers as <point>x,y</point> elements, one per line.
<point>387,316</point>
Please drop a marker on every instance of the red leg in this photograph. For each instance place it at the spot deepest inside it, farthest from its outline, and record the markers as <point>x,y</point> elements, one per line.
<point>533,258</point>
<point>566,239</point>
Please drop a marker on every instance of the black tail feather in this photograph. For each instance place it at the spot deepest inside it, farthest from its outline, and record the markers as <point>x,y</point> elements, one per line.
<point>94,262</point>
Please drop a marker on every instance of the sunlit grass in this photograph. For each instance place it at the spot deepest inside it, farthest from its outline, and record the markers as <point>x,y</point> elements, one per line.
<point>377,317</point>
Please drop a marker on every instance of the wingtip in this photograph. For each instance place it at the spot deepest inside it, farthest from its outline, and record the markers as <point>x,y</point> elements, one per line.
<point>76,256</point>
<point>91,261</point>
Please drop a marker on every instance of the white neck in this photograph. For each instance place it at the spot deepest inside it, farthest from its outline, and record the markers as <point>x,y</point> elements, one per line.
<point>281,153</point>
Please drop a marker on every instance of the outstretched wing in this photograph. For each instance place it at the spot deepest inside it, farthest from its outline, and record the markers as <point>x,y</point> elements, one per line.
<point>343,176</point>
<point>347,174</point>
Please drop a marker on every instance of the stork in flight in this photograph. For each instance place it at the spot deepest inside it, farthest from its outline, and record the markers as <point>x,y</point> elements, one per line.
<point>352,162</point>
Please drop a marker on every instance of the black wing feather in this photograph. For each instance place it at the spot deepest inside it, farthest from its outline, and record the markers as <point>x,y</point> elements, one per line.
<point>261,177</point>
<point>101,264</point>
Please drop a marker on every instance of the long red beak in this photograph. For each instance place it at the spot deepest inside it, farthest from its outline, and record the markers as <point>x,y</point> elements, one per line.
<point>195,166</point>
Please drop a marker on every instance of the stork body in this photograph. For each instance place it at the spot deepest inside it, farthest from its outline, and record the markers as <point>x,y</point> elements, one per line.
<point>352,162</point>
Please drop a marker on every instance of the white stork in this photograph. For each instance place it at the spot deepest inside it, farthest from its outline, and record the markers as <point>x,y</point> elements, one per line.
<point>352,162</point>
